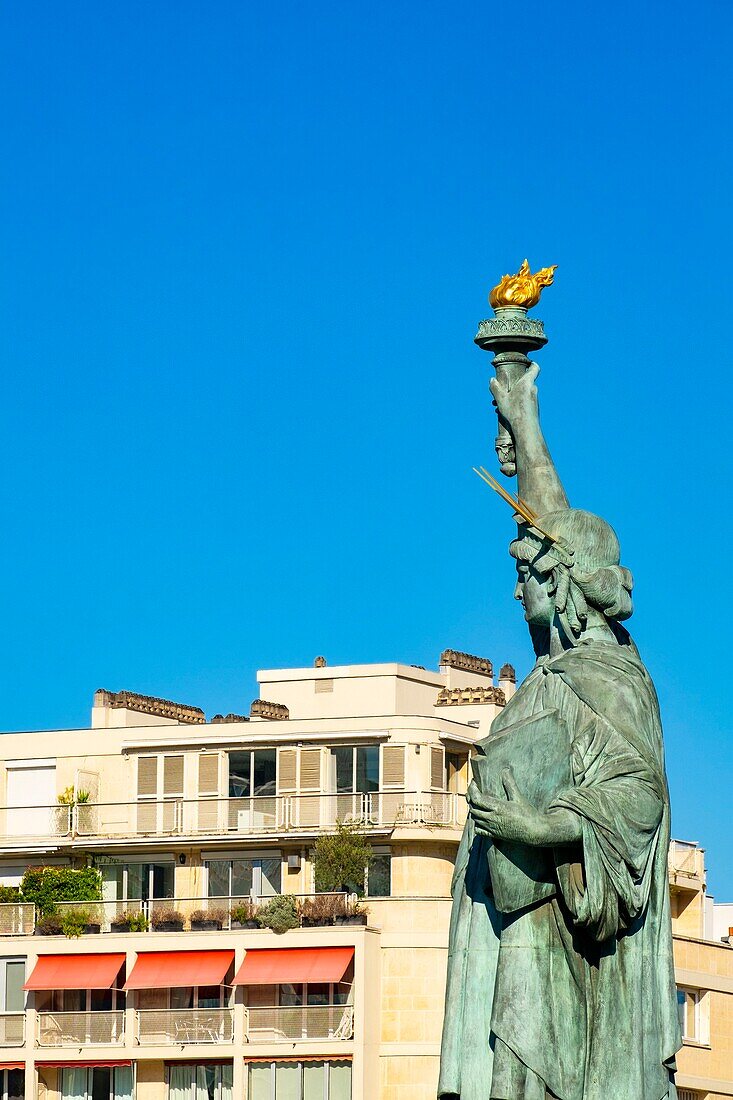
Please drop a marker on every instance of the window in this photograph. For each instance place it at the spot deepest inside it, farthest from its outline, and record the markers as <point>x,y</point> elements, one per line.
<point>355,769</point>
<point>138,881</point>
<point>82,1000</point>
<point>241,878</point>
<point>12,1084</point>
<point>97,1083</point>
<point>299,1080</point>
<point>12,977</point>
<point>456,773</point>
<point>252,773</point>
<point>692,1006</point>
<point>379,875</point>
<point>205,1081</point>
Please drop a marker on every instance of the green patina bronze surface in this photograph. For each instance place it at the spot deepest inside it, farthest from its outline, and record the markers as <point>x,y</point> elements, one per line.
<point>560,972</point>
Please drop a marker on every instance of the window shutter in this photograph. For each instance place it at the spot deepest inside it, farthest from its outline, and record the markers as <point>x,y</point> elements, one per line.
<point>172,776</point>
<point>393,765</point>
<point>436,769</point>
<point>147,776</point>
<point>208,774</point>
<point>286,763</point>
<point>310,770</point>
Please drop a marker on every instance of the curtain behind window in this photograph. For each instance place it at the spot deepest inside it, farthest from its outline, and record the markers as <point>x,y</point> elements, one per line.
<point>73,1084</point>
<point>123,1083</point>
<point>180,1082</point>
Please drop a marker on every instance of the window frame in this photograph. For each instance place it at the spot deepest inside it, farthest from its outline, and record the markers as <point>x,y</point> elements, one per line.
<point>4,960</point>
<point>245,857</point>
<point>325,1063</point>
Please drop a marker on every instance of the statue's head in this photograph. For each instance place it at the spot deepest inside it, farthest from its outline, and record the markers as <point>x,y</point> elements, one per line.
<point>580,570</point>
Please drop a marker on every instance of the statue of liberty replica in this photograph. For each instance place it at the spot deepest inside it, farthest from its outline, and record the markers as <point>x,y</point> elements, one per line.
<point>560,973</point>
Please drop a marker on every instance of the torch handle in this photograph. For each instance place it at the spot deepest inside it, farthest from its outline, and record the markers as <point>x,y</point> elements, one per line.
<point>509,367</point>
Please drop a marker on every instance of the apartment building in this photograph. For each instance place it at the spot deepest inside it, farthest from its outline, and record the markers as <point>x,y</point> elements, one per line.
<point>162,990</point>
<point>185,819</point>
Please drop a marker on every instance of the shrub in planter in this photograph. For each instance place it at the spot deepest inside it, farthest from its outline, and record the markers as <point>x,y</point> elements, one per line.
<point>49,925</point>
<point>130,921</point>
<point>354,914</point>
<point>167,920</point>
<point>79,922</point>
<point>280,914</point>
<point>9,894</point>
<point>244,915</point>
<point>322,909</point>
<point>208,920</point>
<point>340,860</point>
<point>46,886</point>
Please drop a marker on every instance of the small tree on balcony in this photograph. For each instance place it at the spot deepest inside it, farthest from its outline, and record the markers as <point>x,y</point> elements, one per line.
<point>340,860</point>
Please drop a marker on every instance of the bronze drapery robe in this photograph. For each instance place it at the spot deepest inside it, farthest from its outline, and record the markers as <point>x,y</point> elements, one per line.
<point>574,997</point>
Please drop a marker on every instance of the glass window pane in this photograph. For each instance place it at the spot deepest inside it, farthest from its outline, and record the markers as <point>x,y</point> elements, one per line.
<point>16,1084</point>
<point>239,774</point>
<point>313,1073</point>
<point>182,998</point>
<point>287,1081</point>
<point>136,872</point>
<point>227,1081</point>
<point>101,1000</point>
<point>14,979</point>
<point>101,1083</point>
<point>379,882</point>
<point>291,995</point>
<point>242,877</point>
<point>163,875</point>
<point>339,1081</point>
<point>209,996</point>
<point>218,877</point>
<point>319,993</point>
<point>74,1000</point>
<point>112,883</point>
<point>344,769</point>
<point>260,1081</point>
<point>271,876</point>
<point>73,1084</point>
<point>264,773</point>
<point>367,768</point>
<point>123,1083</point>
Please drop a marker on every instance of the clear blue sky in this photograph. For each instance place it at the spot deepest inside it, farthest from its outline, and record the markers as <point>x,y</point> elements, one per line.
<point>245,248</point>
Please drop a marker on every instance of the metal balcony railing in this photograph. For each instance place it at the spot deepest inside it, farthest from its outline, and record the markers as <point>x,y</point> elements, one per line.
<point>20,823</point>
<point>12,1029</point>
<point>285,1024</point>
<point>17,918</point>
<point>162,1027</point>
<point>261,816</point>
<point>80,1029</point>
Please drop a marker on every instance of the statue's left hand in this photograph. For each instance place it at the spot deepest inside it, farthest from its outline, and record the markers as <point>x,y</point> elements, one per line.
<point>514,819</point>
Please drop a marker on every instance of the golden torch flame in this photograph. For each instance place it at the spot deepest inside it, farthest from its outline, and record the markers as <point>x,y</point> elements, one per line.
<point>522,289</point>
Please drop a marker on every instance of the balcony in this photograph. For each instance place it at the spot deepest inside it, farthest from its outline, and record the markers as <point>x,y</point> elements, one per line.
<point>686,865</point>
<point>12,1029</point>
<point>80,1029</point>
<point>162,1027</point>
<point>19,824</point>
<point>238,817</point>
<point>288,1025</point>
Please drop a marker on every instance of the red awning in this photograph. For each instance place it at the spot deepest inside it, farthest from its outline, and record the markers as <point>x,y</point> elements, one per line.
<point>12,1065</point>
<point>104,1062</point>
<point>273,966</point>
<point>75,972</point>
<point>178,969</point>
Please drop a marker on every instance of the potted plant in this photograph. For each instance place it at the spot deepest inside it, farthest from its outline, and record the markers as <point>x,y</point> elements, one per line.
<point>130,920</point>
<point>321,910</point>
<point>353,914</point>
<point>208,920</point>
<point>243,914</point>
<point>280,914</point>
<point>167,920</point>
<point>78,922</point>
<point>50,925</point>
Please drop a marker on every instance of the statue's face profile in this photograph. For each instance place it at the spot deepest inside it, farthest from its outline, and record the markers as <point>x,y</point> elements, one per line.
<point>532,591</point>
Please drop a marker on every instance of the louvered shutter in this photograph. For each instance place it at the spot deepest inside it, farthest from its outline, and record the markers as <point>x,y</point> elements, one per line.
<point>393,766</point>
<point>208,792</point>
<point>147,790</point>
<point>286,771</point>
<point>437,771</point>
<point>309,787</point>
<point>172,792</point>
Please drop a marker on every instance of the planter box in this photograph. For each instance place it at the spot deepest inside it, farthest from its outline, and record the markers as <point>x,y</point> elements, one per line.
<point>169,926</point>
<point>92,929</point>
<point>317,922</point>
<point>238,925</point>
<point>359,918</point>
<point>206,926</point>
<point>117,926</point>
